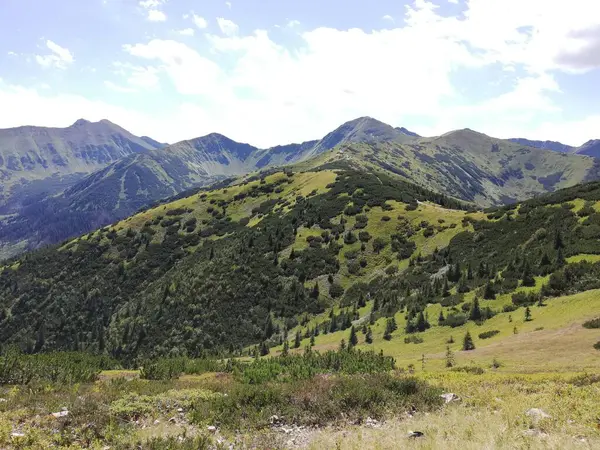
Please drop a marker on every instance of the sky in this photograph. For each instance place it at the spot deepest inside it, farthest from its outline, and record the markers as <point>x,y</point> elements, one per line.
<point>270,72</point>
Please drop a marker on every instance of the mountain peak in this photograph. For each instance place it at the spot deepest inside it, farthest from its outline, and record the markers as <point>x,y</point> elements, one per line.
<point>81,123</point>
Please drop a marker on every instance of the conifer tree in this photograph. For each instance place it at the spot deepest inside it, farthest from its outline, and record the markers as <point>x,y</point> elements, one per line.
<point>286,348</point>
<point>342,345</point>
<point>312,340</point>
<point>268,327</point>
<point>315,290</point>
<point>297,340</point>
<point>264,349</point>
<point>369,336</point>
<point>441,318</point>
<point>475,313</point>
<point>489,293</point>
<point>468,343</point>
<point>450,361</point>
<point>387,335</point>
<point>353,339</point>
<point>528,314</point>
<point>422,323</point>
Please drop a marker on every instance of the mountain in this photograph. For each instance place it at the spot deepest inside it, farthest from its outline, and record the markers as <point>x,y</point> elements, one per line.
<point>590,148</point>
<point>36,160</point>
<point>407,132</point>
<point>320,248</point>
<point>140,178</point>
<point>544,145</point>
<point>469,165</point>
<point>465,164</point>
<point>153,143</point>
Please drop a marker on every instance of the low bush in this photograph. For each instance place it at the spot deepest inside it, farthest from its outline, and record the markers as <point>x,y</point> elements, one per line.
<point>315,401</point>
<point>58,367</point>
<point>488,334</point>
<point>592,324</point>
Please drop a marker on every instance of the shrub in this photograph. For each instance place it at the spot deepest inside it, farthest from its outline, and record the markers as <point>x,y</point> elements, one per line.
<point>336,290</point>
<point>597,345</point>
<point>455,320</point>
<point>57,367</point>
<point>475,370</point>
<point>413,340</point>
<point>488,334</point>
<point>592,324</point>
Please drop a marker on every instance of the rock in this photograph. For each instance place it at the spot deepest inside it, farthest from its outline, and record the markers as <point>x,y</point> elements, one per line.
<point>535,433</point>
<point>2,400</point>
<point>180,410</point>
<point>17,434</point>
<point>156,422</point>
<point>450,397</point>
<point>211,428</point>
<point>63,413</point>
<point>415,434</point>
<point>371,422</point>
<point>173,420</point>
<point>537,414</point>
<point>274,420</point>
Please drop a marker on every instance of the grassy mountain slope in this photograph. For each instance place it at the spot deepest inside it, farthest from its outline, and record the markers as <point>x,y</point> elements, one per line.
<point>544,145</point>
<point>306,251</point>
<point>469,165</point>
<point>30,153</point>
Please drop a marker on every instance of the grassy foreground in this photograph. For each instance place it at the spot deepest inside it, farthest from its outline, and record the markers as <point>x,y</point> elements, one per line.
<point>369,411</point>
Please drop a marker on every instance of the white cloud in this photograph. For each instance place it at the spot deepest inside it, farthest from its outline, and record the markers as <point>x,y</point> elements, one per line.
<point>191,73</point>
<point>186,32</point>
<point>155,15</point>
<point>293,23</point>
<point>153,10</point>
<point>11,53</point>
<point>118,88</point>
<point>60,57</point>
<point>388,18</point>
<point>266,93</point>
<point>228,4</point>
<point>199,21</point>
<point>227,27</point>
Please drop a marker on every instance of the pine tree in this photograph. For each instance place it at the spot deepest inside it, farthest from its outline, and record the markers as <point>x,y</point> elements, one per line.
<point>489,293</point>
<point>446,289</point>
<point>264,349</point>
<point>342,345</point>
<point>268,327</point>
<point>369,336</point>
<point>441,318</point>
<point>387,335</point>
<point>527,278</point>
<point>297,340</point>
<point>468,343</point>
<point>528,315</point>
<point>422,323</point>
<point>315,290</point>
<point>560,258</point>
<point>558,242</point>
<point>469,272</point>
<point>353,339</point>
<point>372,318</point>
<point>475,313</point>
<point>286,348</point>
<point>312,340</point>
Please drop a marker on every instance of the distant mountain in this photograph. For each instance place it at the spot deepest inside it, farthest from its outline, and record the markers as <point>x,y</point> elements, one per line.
<point>152,142</point>
<point>36,160</point>
<point>544,145</point>
<point>468,165</point>
<point>407,132</point>
<point>590,148</point>
<point>463,163</point>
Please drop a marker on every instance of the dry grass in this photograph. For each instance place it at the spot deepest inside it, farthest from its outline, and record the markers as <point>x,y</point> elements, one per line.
<point>491,415</point>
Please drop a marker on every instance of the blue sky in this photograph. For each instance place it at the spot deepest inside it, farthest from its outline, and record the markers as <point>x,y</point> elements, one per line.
<point>275,71</point>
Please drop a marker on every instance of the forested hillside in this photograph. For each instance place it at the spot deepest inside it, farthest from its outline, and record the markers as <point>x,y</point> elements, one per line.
<point>239,265</point>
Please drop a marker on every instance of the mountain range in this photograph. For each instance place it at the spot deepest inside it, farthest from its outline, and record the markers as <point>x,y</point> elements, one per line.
<point>59,183</point>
